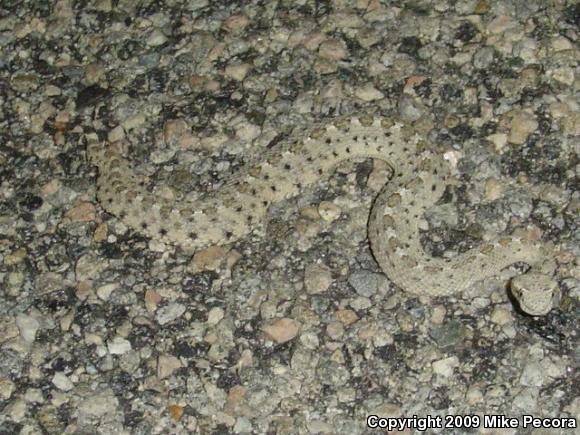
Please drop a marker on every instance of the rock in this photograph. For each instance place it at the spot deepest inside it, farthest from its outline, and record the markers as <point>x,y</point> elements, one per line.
<point>332,49</point>
<point>215,315</point>
<point>282,330</point>
<point>166,365</point>
<point>366,283</point>
<point>444,367</point>
<point>521,126</point>
<point>28,326</point>
<point>118,346</point>
<point>169,313</point>
<point>317,278</point>
<point>237,71</point>
<point>501,316</point>
<point>368,93</point>
<point>62,382</point>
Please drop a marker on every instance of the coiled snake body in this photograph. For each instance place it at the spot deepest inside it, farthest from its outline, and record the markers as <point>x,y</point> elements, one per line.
<point>419,179</point>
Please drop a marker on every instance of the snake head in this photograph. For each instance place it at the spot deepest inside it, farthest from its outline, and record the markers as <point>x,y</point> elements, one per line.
<point>535,292</point>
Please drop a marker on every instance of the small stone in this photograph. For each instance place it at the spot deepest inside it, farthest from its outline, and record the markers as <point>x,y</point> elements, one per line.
<point>177,134</point>
<point>282,330</point>
<point>7,387</point>
<point>521,126</point>
<point>152,300</point>
<point>28,326</point>
<point>501,316</point>
<point>410,110</point>
<point>493,190</point>
<point>499,140</point>
<point>335,330</point>
<point>118,346</point>
<point>215,315</point>
<point>332,49</point>
<point>473,396</point>
<point>237,71</point>
<point>101,233</point>
<point>317,278</point>
<point>236,24</point>
<point>444,367</point>
<point>571,124</point>
<point>99,404</point>
<point>166,365</point>
<point>565,76</point>
<point>116,134</point>
<point>169,313</point>
<point>484,57</point>
<point>366,283</point>
<point>482,7</point>
<point>156,38</point>
<point>62,382</point>
<point>15,257</point>
<point>94,72</point>
<point>133,122</point>
<point>368,93</point>
<point>243,425</point>
<point>317,426</point>
<point>104,292</point>
<point>207,259</point>
<point>346,316</point>
<point>368,37</point>
<point>237,401</point>
<point>176,412</point>
<point>500,24</point>
<point>329,211</point>
<point>533,374</point>
<point>449,335</point>
<point>438,314</point>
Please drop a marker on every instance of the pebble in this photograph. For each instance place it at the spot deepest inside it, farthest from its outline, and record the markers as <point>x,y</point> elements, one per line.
<point>156,38</point>
<point>28,326</point>
<point>169,313</point>
<point>329,211</point>
<point>366,283</point>
<point>118,346</point>
<point>368,93</point>
<point>237,71</point>
<point>215,315</point>
<point>166,365</point>
<point>346,316</point>
<point>446,366</point>
<point>62,382</point>
<point>332,49</point>
<point>281,330</point>
<point>501,316</point>
<point>499,140</point>
<point>7,387</point>
<point>104,292</point>
<point>236,24</point>
<point>317,278</point>
<point>335,330</point>
<point>449,335</point>
<point>521,126</point>
<point>210,258</point>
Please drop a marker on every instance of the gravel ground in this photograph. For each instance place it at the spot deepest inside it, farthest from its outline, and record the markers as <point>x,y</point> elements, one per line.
<point>292,330</point>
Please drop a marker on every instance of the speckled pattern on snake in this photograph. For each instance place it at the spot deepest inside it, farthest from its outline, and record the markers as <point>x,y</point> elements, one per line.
<point>419,179</point>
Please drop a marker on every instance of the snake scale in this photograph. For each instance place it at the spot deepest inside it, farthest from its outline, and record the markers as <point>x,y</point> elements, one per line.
<point>419,179</point>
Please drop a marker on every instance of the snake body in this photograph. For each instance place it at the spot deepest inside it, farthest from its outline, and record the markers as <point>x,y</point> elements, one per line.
<point>419,179</point>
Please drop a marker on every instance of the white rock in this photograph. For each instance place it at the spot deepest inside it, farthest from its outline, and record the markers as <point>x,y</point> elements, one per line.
<point>28,326</point>
<point>118,346</point>
<point>444,367</point>
<point>62,382</point>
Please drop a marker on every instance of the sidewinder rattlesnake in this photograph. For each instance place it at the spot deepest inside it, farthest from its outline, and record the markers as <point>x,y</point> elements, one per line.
<point>419,179</point>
